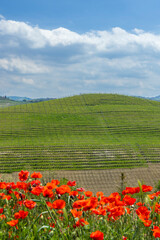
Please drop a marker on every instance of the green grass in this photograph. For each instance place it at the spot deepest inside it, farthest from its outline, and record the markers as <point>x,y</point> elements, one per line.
<point>90,131</point>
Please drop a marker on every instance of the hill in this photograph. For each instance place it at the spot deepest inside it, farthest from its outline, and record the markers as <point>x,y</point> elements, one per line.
<point>89,131</point>
<point>6,102</point>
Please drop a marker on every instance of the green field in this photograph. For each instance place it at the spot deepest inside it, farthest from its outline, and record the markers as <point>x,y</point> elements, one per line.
<point>88,131</point>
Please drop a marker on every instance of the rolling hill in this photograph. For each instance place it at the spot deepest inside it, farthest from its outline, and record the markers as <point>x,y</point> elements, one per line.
<point>88,131</point>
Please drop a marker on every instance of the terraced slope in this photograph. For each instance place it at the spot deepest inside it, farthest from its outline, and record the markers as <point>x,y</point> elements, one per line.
<point>90,131</point>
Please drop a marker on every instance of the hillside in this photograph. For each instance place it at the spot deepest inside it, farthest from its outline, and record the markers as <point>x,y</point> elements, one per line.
<point>89,131</point>
<point>6,102</point>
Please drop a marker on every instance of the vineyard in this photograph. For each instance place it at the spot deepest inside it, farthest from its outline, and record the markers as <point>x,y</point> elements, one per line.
<point>84,132</point>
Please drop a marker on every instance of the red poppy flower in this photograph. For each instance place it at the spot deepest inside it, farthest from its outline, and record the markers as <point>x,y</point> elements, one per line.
<point>146,188</point>
<point>3,185</point>
<point>129,200</point>
<point>21,214</point>
<point>143,213</point>
<point>1,210</point>
<point>52,225</point>
<point>8,197</point>
<point>73,193</point>
<point>13,223</point>
<point>51,185</point>
<point>75,213</point>
<point>81,222</point>
<point>35,183</point>
<point>29,204</point>
<point>97,235</point>
<point>88,193</point>
<point>2,216</point>
<point>37,190</point>
<point>59,204</point>
<point>147,223</point>
<point>131,190</point>
<point>71,184</point>
<point>79,204</point>
<point>80,189</point>
<point>99,211</point>
<point>55,181</point>
<point>63,189</point>
<point>36,175</point>
<point>156,232</point>
<point>47,192</point>
<point>23,175</point>
<point>99,194</point>
<point>22,185</point>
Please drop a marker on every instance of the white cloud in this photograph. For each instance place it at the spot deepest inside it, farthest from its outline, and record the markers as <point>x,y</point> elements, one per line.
<point>112,40</point>
<point>61,61</point>
<point>22,65</point>
<point>28,81</point>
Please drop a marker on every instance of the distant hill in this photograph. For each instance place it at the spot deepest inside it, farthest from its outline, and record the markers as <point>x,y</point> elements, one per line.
<point>157,98</point>
<point>26,99</point>
<point>6,102</point>
<point>15,98</point>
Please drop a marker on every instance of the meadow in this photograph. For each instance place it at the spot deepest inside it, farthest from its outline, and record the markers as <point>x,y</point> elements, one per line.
<point>84,132</point>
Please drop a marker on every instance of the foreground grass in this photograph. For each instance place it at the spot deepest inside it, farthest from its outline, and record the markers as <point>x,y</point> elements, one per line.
<point>33,210</point>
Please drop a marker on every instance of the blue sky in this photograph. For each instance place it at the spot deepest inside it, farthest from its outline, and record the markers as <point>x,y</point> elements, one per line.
<point>60,48</point>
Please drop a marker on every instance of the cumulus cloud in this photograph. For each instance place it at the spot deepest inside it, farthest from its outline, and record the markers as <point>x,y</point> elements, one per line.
<point>21,65</point>
<point>60,61</point>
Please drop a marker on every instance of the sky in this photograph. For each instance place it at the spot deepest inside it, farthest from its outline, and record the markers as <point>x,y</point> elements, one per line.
<point>51,48</point>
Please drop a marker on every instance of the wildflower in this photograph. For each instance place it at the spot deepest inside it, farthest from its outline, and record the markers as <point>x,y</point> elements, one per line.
<point>131,190</point>
<point>99,194</point>
<point>22,185</point>
<point>88,193</point>
<point>116,212</point>
<point>37,190</point>
<point>97,235</point>
<point>80,189</point>
<point>71,184</point>
<point>19,195</point>
<point>13,223</point>
<point>81,222</point>
<point>99,211</point>
<point>21,214</point>
<point>146,188</point>
<point>143,213</point>
<point>23,175</point>
<point>63,189</point>
<point>55,181</point>
<point>35,183</point>
<point>29,204</point>
<point>59,204</point>
<point>36,175</point>
<point>147,223</point>
<point>51,185</point>
<point>2,216</point>
<point>73,193</point>
<point>129,200</point>
<point>47,192</point>
<point>1,210</point>
<point>75,213</point>
<point>3,185</point>
<point>156,232</point>
<point>79,204</point>
<point>52,225</point>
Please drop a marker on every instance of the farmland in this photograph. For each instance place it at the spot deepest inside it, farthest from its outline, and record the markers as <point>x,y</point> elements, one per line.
<point>84,132</point>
